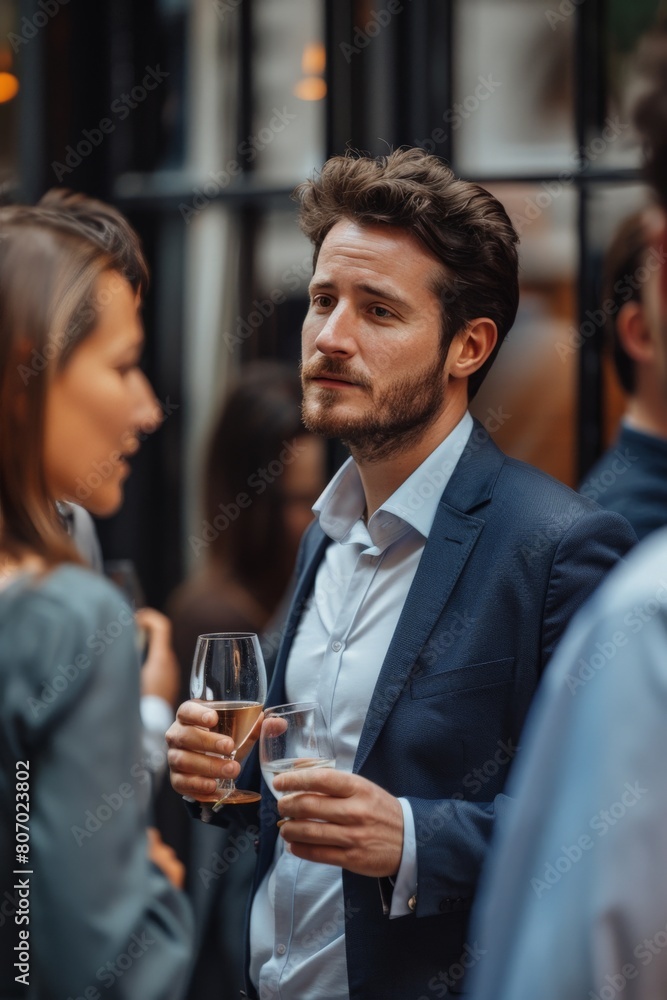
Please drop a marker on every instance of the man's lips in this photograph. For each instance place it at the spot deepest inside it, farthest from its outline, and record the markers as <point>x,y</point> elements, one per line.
<point>333,381</point>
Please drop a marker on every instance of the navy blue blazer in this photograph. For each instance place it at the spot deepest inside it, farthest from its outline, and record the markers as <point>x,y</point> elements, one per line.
<point>511,556</point>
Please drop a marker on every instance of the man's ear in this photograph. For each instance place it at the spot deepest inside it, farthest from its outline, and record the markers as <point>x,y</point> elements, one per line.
<point>633,333</point>
<point>471,347</point>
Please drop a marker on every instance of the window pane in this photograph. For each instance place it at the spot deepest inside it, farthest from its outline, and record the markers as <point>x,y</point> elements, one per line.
<point>171,137</point>
<point>288,63</point>
<point>9,87</point>
<point>528,401</point>
<point>627,24</point>
<point>512,88</point>
<point>283,268</point>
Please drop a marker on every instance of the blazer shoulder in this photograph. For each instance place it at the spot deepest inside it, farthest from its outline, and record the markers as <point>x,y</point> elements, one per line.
<point>533,482</point>
<point>539,502</point>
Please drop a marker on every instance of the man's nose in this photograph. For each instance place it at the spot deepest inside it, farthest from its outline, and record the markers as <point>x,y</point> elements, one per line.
<point>337,336</point>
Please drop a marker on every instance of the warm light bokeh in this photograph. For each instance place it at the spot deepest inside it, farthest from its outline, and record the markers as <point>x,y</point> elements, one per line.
<point>314,59</point>
<point>311,88</point>
<point>9,87</point>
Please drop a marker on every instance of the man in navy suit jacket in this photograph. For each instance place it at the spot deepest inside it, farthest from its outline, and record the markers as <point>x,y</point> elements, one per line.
<point>430,596</point>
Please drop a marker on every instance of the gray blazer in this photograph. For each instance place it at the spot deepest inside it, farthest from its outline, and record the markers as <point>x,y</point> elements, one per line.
<point>102,920</point>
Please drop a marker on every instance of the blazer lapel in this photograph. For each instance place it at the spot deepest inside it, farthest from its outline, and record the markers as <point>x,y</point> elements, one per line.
<point>448,547</point>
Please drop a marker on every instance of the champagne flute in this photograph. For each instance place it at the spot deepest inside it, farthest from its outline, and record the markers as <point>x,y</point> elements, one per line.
<point>294,737</point>
<point>228,675</point>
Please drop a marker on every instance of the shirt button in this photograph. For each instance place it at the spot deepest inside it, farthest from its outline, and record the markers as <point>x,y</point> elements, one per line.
<point>336,646</point>
<point>281,949</point>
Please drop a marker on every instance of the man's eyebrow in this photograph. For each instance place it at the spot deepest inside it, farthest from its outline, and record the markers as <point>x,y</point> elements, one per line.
<point>384,293</point>
<point>377,291</point>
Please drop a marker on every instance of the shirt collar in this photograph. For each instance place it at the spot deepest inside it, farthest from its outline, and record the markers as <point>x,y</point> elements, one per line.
<point>413,505</point>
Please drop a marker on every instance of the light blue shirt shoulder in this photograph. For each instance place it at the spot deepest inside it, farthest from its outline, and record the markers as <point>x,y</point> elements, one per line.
<point>580,869</point>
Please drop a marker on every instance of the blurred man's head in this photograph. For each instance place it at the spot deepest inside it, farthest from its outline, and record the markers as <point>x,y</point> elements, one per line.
<point>633,326</point>
<point>629,292</point>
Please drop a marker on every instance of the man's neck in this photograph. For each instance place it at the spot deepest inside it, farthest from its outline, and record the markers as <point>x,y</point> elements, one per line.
<point>382,478</point>
<point>647,416</point>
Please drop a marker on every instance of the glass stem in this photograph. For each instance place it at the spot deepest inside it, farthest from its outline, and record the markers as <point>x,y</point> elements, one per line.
<point>226,786</point>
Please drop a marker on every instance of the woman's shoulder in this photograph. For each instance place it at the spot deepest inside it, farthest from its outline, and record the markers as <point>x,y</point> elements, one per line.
<point>63,634</point>
<point>67,588</point>
<point>70,604</point>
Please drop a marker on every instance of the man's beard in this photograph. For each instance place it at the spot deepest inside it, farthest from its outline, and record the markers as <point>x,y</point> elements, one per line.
<point>391,425</point>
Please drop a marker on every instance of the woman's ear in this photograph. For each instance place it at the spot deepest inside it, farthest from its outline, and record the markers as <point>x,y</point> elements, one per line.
<point>471,347</point>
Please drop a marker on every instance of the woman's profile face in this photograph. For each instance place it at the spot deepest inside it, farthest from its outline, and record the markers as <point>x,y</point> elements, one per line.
<point>98,404</point>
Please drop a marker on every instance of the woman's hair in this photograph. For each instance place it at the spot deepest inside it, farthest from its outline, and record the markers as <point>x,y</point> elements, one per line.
<point>461,224</point>
<point>260,417</point>
<point>51,257</point>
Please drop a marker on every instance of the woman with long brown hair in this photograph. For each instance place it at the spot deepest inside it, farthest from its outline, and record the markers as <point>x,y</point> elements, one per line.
<point>90,910</point>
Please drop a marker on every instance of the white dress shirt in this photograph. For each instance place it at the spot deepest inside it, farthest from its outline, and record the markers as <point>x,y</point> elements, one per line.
<point>297,929</point>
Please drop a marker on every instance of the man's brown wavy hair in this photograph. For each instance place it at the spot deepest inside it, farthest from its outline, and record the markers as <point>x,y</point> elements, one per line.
<point>461,224</point>
<point>51,257</point>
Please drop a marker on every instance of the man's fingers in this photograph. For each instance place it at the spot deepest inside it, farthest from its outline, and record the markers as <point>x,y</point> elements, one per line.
<point>273,726</point>
<point>324,780</point>
<point>321,855</point>
<point>204,765</point>
<point>183,737</point>
<point>330,809</point>
<point>196,713</point>
<point>309,832</point>
<point>202,789</point>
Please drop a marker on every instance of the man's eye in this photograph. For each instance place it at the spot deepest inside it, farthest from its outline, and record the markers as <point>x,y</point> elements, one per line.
<point>322,301</point>
<point>381,312</point>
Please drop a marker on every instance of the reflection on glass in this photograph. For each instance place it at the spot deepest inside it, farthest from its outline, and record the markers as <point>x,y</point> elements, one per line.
<point>528,401</point>
<point>288,63</point>
<point>513,77</point>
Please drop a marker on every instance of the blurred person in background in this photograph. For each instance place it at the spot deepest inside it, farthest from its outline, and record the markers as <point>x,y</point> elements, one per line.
<point>263,473</point>
<point>72,397</point>
<point>631,477</point>
<point>259,449</point>
<point>574,900</point>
